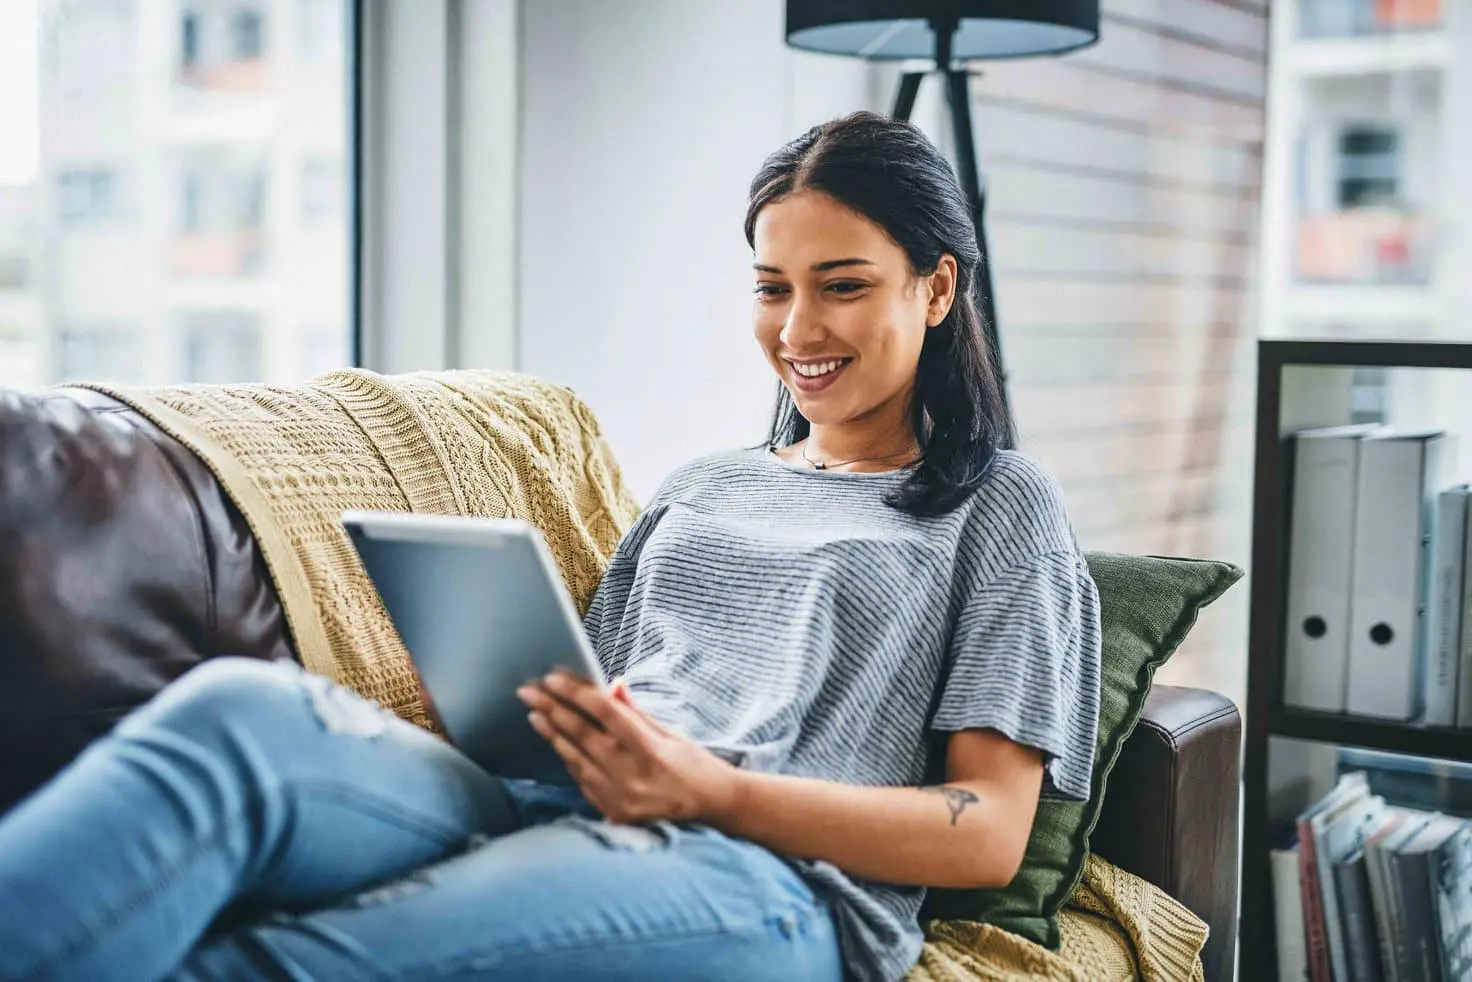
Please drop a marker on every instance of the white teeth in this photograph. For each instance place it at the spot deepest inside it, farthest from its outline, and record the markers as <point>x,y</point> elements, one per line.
<point>813,371</point>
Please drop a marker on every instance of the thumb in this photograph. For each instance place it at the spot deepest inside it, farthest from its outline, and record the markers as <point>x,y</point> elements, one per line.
<point>618,690</point>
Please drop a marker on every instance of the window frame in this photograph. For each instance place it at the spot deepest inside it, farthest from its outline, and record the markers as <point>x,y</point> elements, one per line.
<point>433,183</point>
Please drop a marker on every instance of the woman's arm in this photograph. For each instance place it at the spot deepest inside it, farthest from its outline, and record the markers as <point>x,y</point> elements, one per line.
<point>970,832</point>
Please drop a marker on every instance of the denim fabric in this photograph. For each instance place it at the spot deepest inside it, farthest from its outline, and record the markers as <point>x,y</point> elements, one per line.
<point>256,822</point>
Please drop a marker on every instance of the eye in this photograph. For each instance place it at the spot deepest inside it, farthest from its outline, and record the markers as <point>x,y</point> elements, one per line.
<point>766,291</point>
<point>846,287</point>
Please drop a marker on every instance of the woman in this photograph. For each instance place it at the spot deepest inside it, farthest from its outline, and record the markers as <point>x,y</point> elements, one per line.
<point>849,664</point>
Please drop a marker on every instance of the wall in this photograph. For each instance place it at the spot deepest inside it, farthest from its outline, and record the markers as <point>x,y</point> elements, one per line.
<point>642,123</point>
<point>1125,183</point>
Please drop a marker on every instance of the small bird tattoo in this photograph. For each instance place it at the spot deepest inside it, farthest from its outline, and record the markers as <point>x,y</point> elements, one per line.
<point>956,799</point>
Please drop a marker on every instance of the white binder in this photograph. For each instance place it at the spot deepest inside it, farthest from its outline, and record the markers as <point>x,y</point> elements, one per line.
<point>1400,475</point>
<point>1444,606</point>
<point>1320,554</point>
<point>1464,673</point>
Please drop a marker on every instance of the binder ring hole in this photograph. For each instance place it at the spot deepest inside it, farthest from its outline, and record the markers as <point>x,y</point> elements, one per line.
<point>1381,634</point>
<point>1315,627</point>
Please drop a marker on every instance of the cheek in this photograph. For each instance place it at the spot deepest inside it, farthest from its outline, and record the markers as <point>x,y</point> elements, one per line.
<point>893,337</point>
<point>766,327</point>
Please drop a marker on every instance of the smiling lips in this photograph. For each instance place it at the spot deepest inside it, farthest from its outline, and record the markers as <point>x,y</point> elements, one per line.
<point>814,376</point>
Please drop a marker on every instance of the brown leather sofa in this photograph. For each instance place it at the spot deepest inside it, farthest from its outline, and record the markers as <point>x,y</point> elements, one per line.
<point>123,564</point>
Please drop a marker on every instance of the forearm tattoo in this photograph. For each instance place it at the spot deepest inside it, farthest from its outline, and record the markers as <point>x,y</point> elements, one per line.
<point>956,799</point>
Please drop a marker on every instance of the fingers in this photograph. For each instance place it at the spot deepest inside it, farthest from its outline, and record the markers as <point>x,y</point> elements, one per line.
<point>599,705</point>
<point>566,721</point>
<point>567,718</point>
<point>581,764</point>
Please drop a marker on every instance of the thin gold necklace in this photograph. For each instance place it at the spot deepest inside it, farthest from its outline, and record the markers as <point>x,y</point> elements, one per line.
<point>823,466</point>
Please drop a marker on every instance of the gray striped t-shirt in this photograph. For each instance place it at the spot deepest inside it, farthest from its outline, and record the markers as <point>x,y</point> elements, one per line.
<point>794,623</point>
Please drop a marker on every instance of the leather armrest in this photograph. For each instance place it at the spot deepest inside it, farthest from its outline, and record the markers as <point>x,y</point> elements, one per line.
<point>1171,810</point>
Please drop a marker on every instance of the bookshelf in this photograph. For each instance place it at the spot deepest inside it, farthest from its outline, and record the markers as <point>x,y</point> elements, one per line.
<point>1266,715</point>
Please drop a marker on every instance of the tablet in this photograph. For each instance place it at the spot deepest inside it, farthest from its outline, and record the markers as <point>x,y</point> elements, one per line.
<point>481,607</point>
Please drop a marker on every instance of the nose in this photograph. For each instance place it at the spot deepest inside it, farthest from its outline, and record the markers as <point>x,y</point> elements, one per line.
<point>803,325</point>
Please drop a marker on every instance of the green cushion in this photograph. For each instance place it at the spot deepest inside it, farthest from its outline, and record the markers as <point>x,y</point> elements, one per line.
<point>1147,606</point>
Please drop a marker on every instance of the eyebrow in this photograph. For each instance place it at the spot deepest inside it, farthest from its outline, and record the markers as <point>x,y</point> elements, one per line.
<point>822,267</point>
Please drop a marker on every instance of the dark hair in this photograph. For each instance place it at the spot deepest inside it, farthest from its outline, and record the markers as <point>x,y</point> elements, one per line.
<point>887,171</point>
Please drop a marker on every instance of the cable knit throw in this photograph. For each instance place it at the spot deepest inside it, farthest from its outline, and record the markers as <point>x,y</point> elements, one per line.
<point>293,459</point>
<point>1115,928</point>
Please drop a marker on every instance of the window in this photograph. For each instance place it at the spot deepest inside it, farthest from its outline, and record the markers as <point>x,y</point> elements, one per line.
<point>15,272</point>
<point>320,28</point>
<point>102,353</point>
<point>220,193</point>
<point>222,214</point>
<point>1359,186</point>
<point>192,212</point>
<point>324,351</point>
<point>143,147</point>
<point>85,196</point>
<point>222,346</point>
<point>1367,395</point>
<point>245,35</point>
<point>1369,166</point>
<point>249,200</point>
<point>189,39</point>
<point>322,190</point>
<point>1346,18</point>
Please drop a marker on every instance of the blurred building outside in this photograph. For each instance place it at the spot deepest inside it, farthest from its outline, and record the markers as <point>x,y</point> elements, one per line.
<point>187,220</point>
<point>1367,200</point>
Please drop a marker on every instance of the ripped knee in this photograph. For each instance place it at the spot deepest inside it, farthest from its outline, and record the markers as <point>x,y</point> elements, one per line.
<point>392,891</point>
<point>342,711</point>
<point>627,838</point>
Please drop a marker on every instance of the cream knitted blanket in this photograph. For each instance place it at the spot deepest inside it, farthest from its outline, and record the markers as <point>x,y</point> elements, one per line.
<point>293,459</point>
<point>1115,928</point>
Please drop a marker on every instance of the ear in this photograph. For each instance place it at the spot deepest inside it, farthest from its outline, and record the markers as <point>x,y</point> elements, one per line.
<point>942,285</point>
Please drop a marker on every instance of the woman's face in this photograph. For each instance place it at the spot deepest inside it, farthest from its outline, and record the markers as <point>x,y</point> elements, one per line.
<point>838,311</point>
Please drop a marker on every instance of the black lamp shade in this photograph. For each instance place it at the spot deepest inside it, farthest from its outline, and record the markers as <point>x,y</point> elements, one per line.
<point>895,29</point>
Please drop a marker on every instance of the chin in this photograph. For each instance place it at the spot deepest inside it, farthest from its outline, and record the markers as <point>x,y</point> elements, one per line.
<point>819,412</point>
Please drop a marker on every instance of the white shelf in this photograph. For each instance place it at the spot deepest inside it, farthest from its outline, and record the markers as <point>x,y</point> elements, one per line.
<point>1332,57</point>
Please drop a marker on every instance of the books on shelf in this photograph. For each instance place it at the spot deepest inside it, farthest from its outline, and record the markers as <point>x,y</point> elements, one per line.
<point>1378,544</point>
<point>1288,915</point>
<point>1445,601</point>
<point>1425,784</point>
<point>1373,892</point>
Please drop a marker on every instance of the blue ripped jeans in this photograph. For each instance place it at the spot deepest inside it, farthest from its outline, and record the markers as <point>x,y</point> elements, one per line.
<point>255,822</point>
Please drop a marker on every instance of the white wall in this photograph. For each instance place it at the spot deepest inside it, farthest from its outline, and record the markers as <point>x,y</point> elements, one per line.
<point>642,124</point>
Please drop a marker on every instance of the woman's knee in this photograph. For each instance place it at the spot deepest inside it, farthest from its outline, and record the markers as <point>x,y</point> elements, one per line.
<point>219,695</point>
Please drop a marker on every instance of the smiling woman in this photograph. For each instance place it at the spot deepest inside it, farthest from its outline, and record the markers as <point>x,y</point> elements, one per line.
<point>865,309</point>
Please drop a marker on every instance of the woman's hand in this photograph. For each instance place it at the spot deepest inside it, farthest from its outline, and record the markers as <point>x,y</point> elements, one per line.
<point>628,766</point>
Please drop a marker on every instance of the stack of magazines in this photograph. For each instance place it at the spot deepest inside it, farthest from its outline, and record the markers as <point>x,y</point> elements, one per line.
<point>1370,892</point>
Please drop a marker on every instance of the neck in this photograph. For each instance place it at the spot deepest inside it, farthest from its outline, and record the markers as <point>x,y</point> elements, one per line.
<point>883,442</point>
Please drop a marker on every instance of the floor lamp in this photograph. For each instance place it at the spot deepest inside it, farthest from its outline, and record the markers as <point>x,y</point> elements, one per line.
<point>950,32</point>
